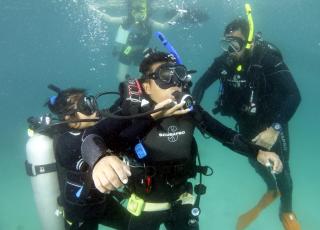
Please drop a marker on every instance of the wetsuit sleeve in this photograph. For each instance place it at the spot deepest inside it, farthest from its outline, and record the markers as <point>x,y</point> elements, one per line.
<point>228,137</point>
<point>99,138</point>
<point>112,134</point>
<point>206,80</point>
<point>287,96</point>
<point>138,128</point>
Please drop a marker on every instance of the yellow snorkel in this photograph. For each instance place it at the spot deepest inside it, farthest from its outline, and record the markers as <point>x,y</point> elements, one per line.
<point>249,44</point>
<point>251,26</point>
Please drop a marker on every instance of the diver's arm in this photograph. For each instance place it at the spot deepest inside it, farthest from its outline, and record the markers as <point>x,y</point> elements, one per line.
<point>223,134</point>
<point>165,25</point>
<point>289,99</point>
<point>140,126</point>
<point>117,134</point>
<point>96,138</point>
<point>234,140</point>
<point>284,100</point>
<point>108,18</point>
<point>108,171</point>
<point>159,25</point>
<point>207,79</point>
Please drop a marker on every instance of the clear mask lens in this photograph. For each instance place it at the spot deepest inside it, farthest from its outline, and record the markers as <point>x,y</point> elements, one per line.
<point>231,45</point>
<point>166,73</point>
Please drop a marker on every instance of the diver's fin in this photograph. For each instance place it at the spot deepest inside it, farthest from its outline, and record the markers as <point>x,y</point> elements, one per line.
<point>289,221</point>
<point>245,219</point>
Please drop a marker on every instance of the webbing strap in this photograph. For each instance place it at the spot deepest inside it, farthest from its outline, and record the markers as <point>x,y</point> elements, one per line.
<point>34,170</point>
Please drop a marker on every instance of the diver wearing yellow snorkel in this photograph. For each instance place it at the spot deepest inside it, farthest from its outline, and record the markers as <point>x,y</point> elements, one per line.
<point>134,33</point>
<point>259,92</point>
<point>139,32</point>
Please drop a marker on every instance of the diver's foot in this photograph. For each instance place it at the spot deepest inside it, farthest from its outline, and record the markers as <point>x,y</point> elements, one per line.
<point>245,219</point>
<point>289,221</point>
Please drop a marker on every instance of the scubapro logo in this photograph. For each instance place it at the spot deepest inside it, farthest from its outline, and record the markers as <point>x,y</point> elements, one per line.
<point>172,134</point>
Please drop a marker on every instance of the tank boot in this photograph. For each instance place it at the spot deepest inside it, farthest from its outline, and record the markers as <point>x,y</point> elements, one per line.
<point>289,221</point>
<point>247,218</point>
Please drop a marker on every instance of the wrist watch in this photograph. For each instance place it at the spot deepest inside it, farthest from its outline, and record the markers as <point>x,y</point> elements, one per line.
<point>276,126</point>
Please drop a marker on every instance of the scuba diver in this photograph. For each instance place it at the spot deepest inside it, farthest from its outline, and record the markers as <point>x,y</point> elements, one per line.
<point>84,207</point>
<point>259,92</point>
<point>155,161</point>
<point>134,33</point>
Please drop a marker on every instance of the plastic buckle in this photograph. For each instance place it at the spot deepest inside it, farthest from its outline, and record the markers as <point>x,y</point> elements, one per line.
<point>29,170</point>
<point>135,205</point>
<point>140,151</point>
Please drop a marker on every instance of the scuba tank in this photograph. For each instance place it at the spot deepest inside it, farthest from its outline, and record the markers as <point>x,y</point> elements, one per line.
<point>41,167</point>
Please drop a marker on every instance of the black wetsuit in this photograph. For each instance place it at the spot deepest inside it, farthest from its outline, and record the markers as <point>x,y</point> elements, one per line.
<point>89,208</point>
<point>138,39</point>
<point>262,94</point>
<point>170,161</point>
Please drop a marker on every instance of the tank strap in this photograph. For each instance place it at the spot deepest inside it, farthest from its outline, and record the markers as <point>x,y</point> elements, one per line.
<point>34,170</point>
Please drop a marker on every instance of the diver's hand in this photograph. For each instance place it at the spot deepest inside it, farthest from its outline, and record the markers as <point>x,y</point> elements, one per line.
<point>266,138</point>
<point>270,159</point>
<point>110,173</point>
<point>170,108</point>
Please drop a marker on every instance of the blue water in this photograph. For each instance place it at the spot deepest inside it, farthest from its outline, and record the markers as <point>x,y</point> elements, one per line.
<point>60,42</point>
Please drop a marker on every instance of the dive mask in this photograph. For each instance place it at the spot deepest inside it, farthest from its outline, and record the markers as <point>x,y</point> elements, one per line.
<point>170,74</point>
<point>232,44</point>
<point>139,13</point>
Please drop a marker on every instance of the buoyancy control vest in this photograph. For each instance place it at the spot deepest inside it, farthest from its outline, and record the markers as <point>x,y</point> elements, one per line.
<point>138,37</point>
<point>80,199</point>
<point>78,196</point>
<point>170,140</point>
<point>241,91</point>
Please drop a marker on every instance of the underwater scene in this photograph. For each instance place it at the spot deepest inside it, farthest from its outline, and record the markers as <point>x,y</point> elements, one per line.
<point>96,44</point>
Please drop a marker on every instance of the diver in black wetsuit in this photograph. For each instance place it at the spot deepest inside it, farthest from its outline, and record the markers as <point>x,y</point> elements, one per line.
<point>134,33</point>
<point>84,206</point>
<point>166,148</point>
<point>259,92</point>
